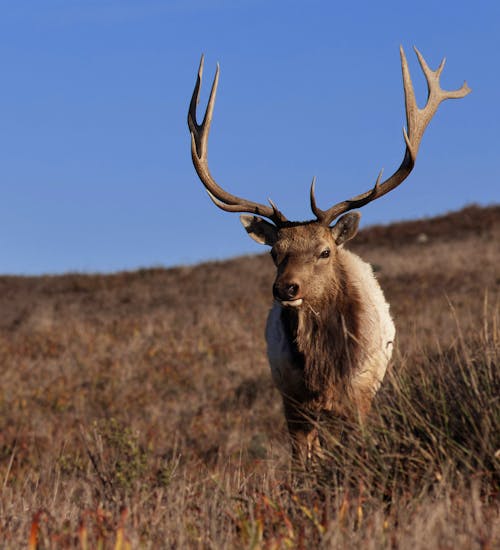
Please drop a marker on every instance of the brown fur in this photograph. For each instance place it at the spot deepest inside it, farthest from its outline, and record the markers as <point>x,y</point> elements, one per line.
<point>324,352</point>
<point>325,343</point>
<point>326,348</point>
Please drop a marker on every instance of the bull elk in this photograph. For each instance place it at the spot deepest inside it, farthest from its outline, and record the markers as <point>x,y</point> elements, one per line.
<point>329,333</point>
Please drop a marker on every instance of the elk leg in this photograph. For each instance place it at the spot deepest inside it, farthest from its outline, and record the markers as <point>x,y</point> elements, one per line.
<point>303,434</point>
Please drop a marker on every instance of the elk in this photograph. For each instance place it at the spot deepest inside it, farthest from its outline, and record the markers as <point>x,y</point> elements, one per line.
<point>329,332</point>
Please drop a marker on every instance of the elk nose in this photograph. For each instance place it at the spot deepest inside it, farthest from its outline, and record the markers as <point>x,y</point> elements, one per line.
<point>292,290</point>
<point>286,291</point>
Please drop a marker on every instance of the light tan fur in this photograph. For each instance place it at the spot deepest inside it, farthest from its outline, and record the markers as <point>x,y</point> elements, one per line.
<point>353,361</point>
<point>377,327</point>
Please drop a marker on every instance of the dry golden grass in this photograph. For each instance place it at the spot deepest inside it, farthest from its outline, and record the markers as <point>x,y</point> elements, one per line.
<point>137,410</point>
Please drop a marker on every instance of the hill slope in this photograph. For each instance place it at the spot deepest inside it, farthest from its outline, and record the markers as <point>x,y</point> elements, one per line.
<point>142,388</point>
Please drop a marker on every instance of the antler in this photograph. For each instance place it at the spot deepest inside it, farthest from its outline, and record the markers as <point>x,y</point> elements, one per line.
<point>417,121</point>
<point>199,152</point>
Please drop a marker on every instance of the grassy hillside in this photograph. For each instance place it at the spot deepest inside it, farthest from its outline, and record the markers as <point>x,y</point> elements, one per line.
<point>137,408</point>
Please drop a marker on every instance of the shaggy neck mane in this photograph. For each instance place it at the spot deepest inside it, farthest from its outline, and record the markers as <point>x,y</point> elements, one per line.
<point>326,340</point>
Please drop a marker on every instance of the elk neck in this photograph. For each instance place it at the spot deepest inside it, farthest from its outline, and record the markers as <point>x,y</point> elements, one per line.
<point>325,338</point>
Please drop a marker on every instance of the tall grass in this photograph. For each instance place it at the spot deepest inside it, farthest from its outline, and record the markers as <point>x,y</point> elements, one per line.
<point>422,473</point>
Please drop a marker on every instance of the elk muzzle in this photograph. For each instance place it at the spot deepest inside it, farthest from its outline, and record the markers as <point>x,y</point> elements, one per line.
<point>287,292</point>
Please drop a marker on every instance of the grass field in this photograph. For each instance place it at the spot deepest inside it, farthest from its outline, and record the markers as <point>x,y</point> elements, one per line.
<point>137,409</point>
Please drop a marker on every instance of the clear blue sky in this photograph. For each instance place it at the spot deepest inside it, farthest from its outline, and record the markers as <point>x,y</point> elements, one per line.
<point>95,167</point>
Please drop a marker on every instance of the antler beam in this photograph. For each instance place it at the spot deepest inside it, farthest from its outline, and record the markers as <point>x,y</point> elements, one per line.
<point>199,153</point>
<point>417,121</point>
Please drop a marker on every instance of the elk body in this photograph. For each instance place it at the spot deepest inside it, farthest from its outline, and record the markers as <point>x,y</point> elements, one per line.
<point>329,333</point>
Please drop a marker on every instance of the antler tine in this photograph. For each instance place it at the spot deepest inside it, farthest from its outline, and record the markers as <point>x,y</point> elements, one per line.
<point>199,153</point>
<point>417,121</point>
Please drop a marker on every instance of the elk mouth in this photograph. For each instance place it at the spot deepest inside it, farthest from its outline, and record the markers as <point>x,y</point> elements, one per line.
<point>291,303</point>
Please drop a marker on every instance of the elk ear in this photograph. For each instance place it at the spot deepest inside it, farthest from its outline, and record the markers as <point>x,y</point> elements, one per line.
<point>261,231</point>
<point>346,227</point>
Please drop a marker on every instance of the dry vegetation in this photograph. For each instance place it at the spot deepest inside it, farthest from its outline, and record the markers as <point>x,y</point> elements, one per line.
<point>137,409</point>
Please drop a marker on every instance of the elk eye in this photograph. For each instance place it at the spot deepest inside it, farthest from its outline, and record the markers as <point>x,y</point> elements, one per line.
<point>325,253</point>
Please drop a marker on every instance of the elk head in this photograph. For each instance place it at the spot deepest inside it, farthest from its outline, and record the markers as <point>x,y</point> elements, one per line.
<point>305,252</point>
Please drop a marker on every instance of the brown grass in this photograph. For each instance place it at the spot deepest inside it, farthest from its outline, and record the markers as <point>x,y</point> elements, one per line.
<point>137,409</point>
